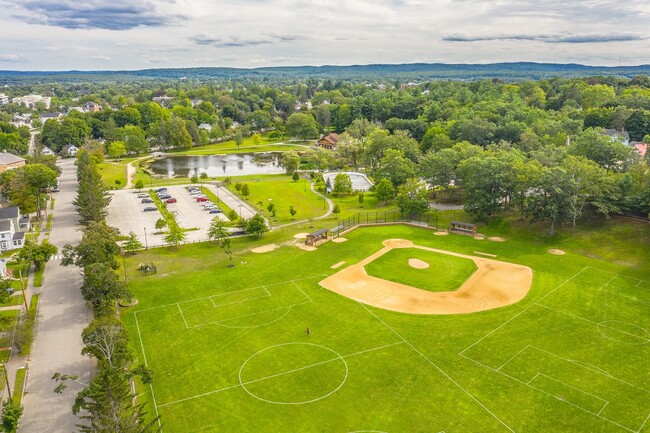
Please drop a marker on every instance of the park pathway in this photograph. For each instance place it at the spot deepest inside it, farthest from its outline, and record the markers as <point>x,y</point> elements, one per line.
<point>330,208</point>
<point>63,315</point>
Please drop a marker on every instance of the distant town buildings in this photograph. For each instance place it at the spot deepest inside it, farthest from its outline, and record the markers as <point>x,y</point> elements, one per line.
<point>47,116</point>
<point>91,107</point>
<point>329,141</point>
<point>31,100</point>
<point>22,119</point>
<point>4,99</point>
<point>162,100</point>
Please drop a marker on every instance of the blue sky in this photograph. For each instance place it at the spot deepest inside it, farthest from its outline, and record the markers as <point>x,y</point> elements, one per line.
<point>120,34</point>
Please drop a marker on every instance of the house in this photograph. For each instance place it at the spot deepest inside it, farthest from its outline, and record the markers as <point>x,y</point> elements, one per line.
<point>162,100</point>
<point>22,120</point>
<point>642,148</point>
<point>195,102</point>
<point>31,100</point>
<point>47,116</point>
<point>91,107</point>
<point>329,141</point>
<point>47,151</point>
<point>4,99</point>
<point>621,136</point>
<point>205,126</point>
<point>70,150</point>
<point>13,227</point>
<point>79,109</point>
<point>9,161</point>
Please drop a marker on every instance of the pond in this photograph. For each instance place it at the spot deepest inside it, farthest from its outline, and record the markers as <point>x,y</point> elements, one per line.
<point>237,164</point>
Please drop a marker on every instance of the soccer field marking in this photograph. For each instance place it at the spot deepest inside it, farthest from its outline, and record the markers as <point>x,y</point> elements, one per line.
<point>644,423</point>
<point>301,291</point>
<point>144,358</point>
<point>228,293</point>
<point>601,325</point>
<point>268,295</point>
<point>626,296</point>
<point>606,402</point>
<point>440,370</point>
<point>513,357</point>
<point>257,380</point>
<point>522,311</point>
<point>183,316</point>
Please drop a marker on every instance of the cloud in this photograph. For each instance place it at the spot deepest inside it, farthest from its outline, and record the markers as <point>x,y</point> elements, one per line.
<point>237,41</point>
<point>100,58</point>
<point>101,14</point>
<point>12,58</point>
<point>557,39</point>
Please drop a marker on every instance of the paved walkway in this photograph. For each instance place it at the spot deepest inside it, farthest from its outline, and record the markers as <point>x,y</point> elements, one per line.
<point>63,315</point>
<point>330,208</point>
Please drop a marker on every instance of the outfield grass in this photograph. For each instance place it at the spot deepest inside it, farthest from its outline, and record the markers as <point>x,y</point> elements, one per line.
<point>112,171</point>
<point>444,274</point>
<point>229,350</point>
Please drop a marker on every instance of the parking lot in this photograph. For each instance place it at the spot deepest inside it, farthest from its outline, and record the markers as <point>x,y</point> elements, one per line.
<point>126,212</point>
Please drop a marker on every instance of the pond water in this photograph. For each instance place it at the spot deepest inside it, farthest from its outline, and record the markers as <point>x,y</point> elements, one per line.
<point>237,164</point>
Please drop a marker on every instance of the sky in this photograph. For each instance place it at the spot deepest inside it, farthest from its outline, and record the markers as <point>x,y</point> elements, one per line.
<point>122,34</point>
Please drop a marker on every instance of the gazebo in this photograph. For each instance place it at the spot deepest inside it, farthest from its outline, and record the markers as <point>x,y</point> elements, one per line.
<point>317,237</point>
<point>462,228</point>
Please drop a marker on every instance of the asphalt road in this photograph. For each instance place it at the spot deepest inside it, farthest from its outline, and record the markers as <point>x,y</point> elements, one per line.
<point>63,315</point>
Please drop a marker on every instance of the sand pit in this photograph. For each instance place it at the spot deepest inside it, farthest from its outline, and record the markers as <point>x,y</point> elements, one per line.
<point>418,264</point>
<point>441,233</point>
<point>556,252</point>
<point>339,240</point>
<point>265,249</point>
<point>494,284</point>
<point>337,265</point>
<point>300,235</point>
<point>496,239</point>
<point>302,246</point>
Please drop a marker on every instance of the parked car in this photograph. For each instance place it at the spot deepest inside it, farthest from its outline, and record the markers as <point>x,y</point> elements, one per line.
<point>150,209</point>
<point>147,200</point>
<point>195,192</point>
<point>209,207</point>
<point>170,200</point>
<point>215,210</point>
<point>164,196</point>
<point>201,199</point>
<point>207,203</point>
<point>143,195</point>
<point>161,189</point>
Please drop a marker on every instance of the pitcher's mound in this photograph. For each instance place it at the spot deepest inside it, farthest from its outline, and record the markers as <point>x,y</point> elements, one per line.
<point>496,239</point>
<point>300,235</point>
<point>556,252</point>
<point>418,264</point>
<point>339,240</point>
<point>265,249</point>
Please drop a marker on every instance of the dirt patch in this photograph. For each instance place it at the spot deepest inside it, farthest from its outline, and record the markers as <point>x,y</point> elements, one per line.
<point>300,235</point>
<point>418,264</point>
<point>479,237</point>
<point>496,239</point>
<point>337,265</point>
<point>265,249</point>
<point>339,240</point>
<point>494,284</point>
<point>441,233</point>
<point>557,252</point>
<point>302,246</point>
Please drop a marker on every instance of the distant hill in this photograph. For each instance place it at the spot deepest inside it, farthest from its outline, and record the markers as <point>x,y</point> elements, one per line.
<point>411,71</point>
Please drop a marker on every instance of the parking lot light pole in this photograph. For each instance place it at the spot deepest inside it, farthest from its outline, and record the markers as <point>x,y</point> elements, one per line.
<point>146,245</point>
<point>240,215</point>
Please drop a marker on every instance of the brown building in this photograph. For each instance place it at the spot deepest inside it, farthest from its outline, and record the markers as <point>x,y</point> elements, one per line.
<point>10,161</point>
<point>329,141</point>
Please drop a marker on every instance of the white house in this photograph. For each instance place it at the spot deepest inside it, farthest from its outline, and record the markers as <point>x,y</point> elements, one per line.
<point>621,136</point>
<point>205,126</point>
<point>4,99</point>
<point>31,100</point>
<point>47,151</point>
<point>70,150</point>
<point>13,227</point>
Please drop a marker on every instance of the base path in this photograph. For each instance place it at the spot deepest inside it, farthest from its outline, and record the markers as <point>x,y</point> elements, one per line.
<point>494,284</point>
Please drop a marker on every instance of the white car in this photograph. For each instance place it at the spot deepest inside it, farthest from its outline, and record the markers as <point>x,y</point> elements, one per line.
<point>143,195</point>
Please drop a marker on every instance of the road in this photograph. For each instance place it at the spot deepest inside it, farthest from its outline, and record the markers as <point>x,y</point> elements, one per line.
<point>63,315</point>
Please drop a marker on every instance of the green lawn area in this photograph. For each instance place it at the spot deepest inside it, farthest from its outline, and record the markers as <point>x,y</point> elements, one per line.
<point>112,171</point>
<point>445,273</point>
<point>19,385</point>
<point>8,319</point>
<point>266,144</point>
<point>228,345</point>
<point>15,299</point>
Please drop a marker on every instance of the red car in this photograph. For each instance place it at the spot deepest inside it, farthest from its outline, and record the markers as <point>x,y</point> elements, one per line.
<point>170,200</point>
<point>200,199</point>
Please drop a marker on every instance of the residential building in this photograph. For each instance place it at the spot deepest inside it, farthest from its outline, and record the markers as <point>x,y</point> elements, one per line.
<point>13,227</point>
<point>205,126</point>
<point>47,151</point>
<point>9,161</point>
<point>329,141</point>
<point>47,116</point>
<point>91,107</point>
<point>70,150</point>
<point>621,136</point>
<point>162,100</point>
<point>31,100</point>
<point>22,120</point>
<point>4,99</point>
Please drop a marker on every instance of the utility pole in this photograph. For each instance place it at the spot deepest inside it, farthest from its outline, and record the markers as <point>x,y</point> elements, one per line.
<point>146,245</point>
<point>22,289</point>
<point>4,368</point>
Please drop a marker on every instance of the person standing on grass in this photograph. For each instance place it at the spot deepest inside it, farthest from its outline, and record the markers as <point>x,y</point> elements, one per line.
<point>308,331</point>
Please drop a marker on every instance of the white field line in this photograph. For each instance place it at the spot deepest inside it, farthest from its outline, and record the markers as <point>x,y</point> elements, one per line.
<point>248,315</point>
<point>183,316</point>
<point>307,296</point>
<point>602,409</point>
<point>240,302</point>
<point>207,297</point>
<point>569,386</point>
<point>644,423</point>
<point>513,357</point>
<point>280,374</point>
<point>560,398</point>
<point>144,358</point>
<point>521,312</point>
<point>626,296</point>
<point>440,370</point>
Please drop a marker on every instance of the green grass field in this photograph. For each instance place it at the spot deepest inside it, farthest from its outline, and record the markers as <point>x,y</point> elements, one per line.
<point>444,274</point>
<point>113,171</point>
<point>229,350</point>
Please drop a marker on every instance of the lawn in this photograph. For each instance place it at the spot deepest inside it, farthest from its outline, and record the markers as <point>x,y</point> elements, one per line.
<point>112,172</point>
<point>229,350</point>
<point>266,144</point>
<point>445,273</point>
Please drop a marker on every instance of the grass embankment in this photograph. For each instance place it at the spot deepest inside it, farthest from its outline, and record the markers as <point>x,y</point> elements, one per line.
<point>445,273</point>
<point>112,172</point>
<point>38,276</point>
<point>33,311</point>
<point>19,385</point>
<point>48,226</point>
<point>166,214</point>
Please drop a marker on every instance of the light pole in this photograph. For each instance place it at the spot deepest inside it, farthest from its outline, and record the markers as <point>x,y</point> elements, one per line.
<point>146,245</point>
<point>4,368</point>
<point>240,215</point>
